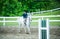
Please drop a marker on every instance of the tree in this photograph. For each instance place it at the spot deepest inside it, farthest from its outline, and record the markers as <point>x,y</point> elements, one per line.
<point>16,7</point>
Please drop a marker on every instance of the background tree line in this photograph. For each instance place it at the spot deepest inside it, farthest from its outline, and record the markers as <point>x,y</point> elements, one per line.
<point>17,7</point>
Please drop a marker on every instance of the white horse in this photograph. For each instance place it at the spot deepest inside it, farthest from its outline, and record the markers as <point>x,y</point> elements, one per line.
<point>21,23</point>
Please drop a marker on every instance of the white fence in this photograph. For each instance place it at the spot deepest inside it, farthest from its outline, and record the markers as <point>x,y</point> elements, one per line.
<point>4,20</point>
<point>50,16</point>
<point>42,17</point>
<point>47,10</point>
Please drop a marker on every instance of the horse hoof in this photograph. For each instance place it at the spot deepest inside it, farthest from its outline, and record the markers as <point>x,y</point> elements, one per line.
<point>27,33</point>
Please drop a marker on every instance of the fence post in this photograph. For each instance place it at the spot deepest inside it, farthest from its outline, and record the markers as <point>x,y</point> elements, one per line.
<point>43,29</point>
<point>39,28</point>
<point>48,36</point>
<point>4,21</point>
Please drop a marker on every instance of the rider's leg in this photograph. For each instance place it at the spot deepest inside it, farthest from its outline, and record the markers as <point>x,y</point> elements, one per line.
<point>25,25</point>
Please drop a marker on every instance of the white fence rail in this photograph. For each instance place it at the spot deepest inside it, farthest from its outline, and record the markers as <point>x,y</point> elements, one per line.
<point>46,16</point>
<point>4,19</point>
<point>47,10</point>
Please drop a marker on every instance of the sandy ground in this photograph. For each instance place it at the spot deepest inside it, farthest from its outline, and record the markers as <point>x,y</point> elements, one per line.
<point>13,33</point>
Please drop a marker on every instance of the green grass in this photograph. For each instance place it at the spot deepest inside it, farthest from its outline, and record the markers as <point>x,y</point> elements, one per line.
<point>11,24</point>
<point>48,13</point>
<point>54,24</point>
<point>1,24</point>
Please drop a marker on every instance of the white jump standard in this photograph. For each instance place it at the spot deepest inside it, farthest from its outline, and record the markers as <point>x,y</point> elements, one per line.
<point>43,28</point>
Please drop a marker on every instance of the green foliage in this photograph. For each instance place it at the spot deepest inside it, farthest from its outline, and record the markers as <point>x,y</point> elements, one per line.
<point>16,7</point>
<point>11,8</point>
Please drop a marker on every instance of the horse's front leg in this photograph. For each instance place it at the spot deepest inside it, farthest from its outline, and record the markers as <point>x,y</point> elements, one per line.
<point>29,30</point>
<point>28,27</point>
